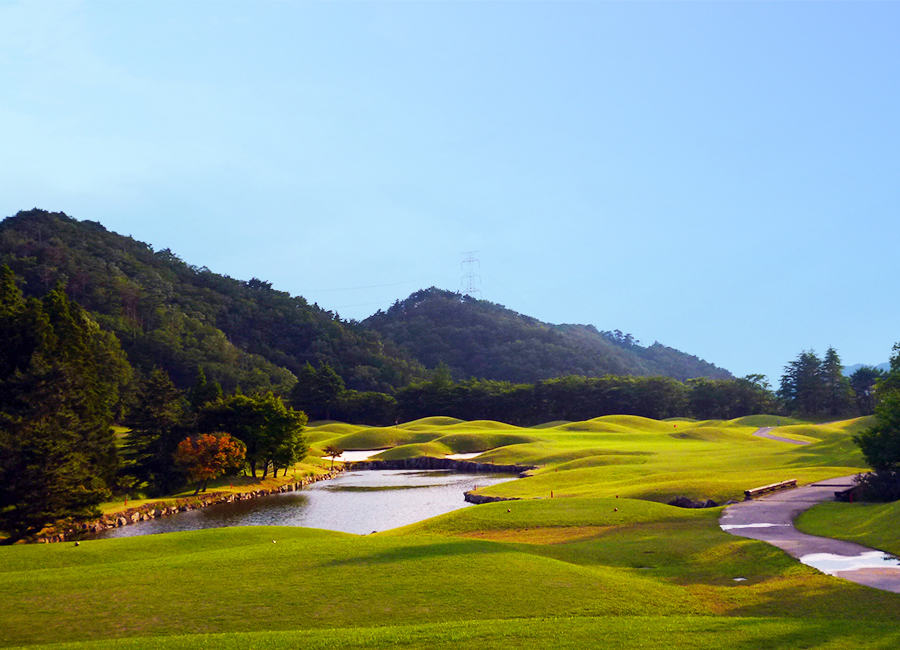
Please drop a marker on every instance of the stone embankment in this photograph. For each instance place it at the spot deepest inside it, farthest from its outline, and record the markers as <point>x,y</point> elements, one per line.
<point>464,466</point>
<point>472,497</point>
<point>429,462</point>
<point>150,511</point>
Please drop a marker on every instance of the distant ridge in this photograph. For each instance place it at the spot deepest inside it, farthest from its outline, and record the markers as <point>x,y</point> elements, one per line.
<point>849,370</point>
<point>477,338</point>
<point>168,313</point>
<point>181,317</point>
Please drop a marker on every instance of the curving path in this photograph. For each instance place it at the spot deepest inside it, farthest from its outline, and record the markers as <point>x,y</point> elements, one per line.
<point>770,519</point>
<point>763,432</point>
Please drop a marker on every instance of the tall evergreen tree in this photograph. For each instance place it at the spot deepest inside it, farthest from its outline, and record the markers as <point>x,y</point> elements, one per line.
<point>881,443</point>
<point>863,382</point>
<point>203,391</point>
<point>802,387</point>
<point>57,451</point>
<point>838,395</point>
<point>317,392</point>
<point>158,421</point>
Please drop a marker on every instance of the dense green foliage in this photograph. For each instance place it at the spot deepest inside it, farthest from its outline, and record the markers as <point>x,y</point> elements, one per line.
<point>61,379</point>
<point>881,443</point>
<point>158,420</point>
<point>813,386</point>
<point>170,314</point>
<point>583,398</point>
<point>862,383</point>
<point>477,338</point>
<point>272,432</point>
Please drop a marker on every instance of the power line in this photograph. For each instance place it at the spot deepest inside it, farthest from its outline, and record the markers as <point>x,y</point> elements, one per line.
<point>371,286</point>
<point>470,279</point>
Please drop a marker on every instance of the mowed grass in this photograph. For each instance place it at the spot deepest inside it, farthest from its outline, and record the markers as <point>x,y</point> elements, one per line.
<point>604,563</point>
<point>876,525</point>
<point>562,633</point>
<point>665,566</point>
<point>628,456</point>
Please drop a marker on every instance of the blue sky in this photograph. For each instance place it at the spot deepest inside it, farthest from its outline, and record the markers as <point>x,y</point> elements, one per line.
<point>720,177</point>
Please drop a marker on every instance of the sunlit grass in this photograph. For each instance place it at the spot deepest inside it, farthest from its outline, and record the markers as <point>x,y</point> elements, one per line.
<point>632,456</point>
<point>603,563</point>
<point>876,525</point>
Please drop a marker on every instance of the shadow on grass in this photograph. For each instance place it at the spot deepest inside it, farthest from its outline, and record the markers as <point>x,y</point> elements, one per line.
<point>821,597</point>
<point>418,553</point>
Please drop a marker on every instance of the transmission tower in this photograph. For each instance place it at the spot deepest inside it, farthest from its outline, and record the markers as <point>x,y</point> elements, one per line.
<point>470,279</point>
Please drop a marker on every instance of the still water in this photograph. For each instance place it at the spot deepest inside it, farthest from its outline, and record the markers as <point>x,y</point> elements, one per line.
<point>356,502</point>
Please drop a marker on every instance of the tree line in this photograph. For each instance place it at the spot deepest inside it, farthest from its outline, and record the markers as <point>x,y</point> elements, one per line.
<point>810,387</point>
<point>321,394</point>
<point>813,386</point>
<point>64,381</point>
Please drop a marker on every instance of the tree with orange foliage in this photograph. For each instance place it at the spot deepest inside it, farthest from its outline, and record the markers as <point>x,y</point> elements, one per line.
<point>209,455</point>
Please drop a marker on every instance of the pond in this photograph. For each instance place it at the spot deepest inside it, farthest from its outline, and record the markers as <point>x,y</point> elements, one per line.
<point>358,502</point>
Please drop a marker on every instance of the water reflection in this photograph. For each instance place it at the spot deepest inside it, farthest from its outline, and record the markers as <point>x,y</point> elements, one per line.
<point>831,564</point>
<point>357,502</point>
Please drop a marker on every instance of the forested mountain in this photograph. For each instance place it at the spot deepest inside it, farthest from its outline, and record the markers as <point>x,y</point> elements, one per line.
<point>477,338</point>
<point>167,313</point>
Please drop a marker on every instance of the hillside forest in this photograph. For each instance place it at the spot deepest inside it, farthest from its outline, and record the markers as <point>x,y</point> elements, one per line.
<point>209,375</point>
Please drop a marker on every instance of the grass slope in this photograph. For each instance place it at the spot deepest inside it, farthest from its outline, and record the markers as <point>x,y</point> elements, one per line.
<point>871,524</point>
<point>608,566</point>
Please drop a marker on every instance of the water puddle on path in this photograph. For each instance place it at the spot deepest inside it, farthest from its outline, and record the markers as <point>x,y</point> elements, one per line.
<point>733,526</point>
<point>832,564</point>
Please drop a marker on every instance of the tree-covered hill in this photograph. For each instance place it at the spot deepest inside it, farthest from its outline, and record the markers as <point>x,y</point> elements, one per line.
<point>170,314</point>
<point>477,338</point>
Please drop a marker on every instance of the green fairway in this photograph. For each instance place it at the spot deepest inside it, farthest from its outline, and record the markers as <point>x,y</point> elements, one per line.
<point>602,564</point>
<point>876,525</point>
<point>565,633</point>
<point>626,455</point>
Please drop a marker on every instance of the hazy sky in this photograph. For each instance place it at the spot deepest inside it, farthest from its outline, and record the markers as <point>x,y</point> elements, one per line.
<point>720,177</point>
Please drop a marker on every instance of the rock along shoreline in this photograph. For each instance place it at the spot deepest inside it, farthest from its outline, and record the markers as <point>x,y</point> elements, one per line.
<point>164,508</point>
<point>465,466</point>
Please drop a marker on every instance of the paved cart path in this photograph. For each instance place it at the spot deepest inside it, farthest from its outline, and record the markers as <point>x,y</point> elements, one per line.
<point>770,519</point>
<point>763,432</point>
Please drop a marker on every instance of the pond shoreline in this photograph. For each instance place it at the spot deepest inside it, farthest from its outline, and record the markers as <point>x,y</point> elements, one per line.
<point>150,511</point>
<point>165,507</point>
<point>431,463</point>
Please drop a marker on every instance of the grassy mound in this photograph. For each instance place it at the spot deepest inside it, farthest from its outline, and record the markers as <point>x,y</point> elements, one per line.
<point>504,571</point>
<point>604,563</point>
<point>381,438</point>
<point>870,524</point>
<point>428,423</point>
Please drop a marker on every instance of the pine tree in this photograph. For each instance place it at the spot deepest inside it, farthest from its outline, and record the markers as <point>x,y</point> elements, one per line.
<point>57,452</point>
<point>158,421</point>
<point>802,386</point>
<point>203,392</point>
<point>317,392</point>
<point>838,394</point>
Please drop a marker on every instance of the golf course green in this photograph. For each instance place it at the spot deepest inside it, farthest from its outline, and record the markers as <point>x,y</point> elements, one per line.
<point>603,563</point>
